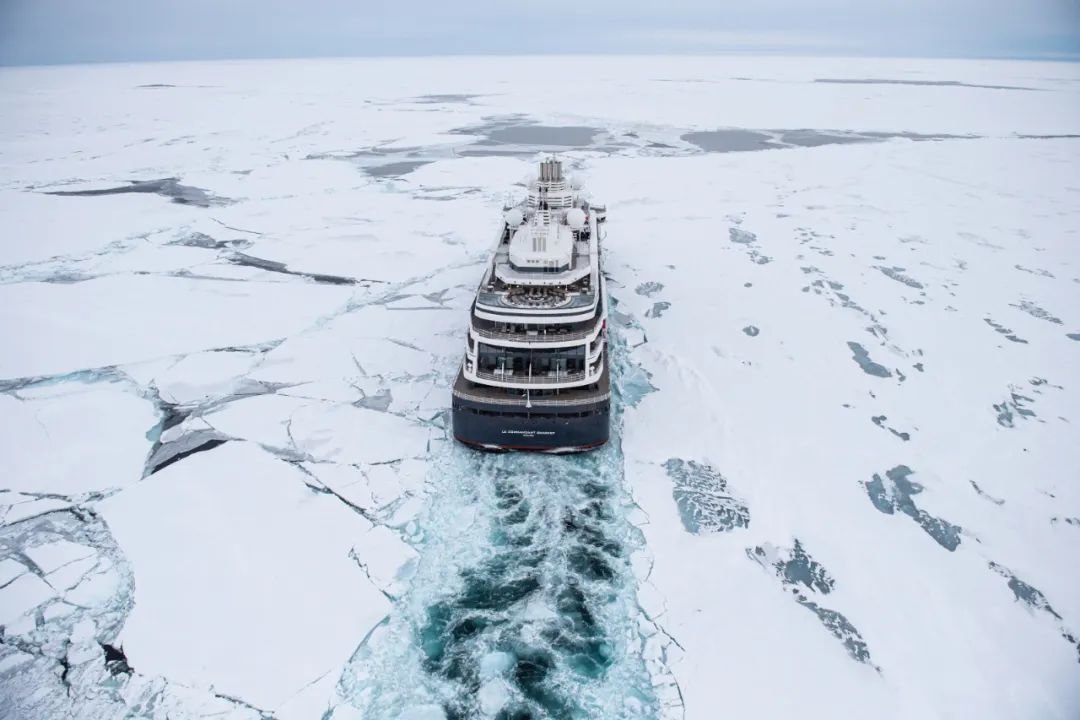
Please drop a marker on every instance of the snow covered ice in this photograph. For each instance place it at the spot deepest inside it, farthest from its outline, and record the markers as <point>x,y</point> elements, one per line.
<point>842,482</point>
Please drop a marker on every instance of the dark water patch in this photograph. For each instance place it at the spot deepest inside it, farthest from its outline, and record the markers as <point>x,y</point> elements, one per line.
<point>516,134</point>
<point>862,358</point>
<point>437,297</point>
<point>701,495</point>
<point>1002,330</point>
<point>983,494</point>
<point>897,274</point>
<point>116,661</point>
<point>847,302</point>
<point>917,137</point>
<point>895,492</point>
<point>920,83</point>
<point>1047,137</point>
<point>171,416</point>
<point>201,240</point>
<point>749,241</point>
<point>649,289</point>
<point>800,568</point>
<point>1035,271</point>
<point>880,332</point>
<point>1035,600</point>
<point>166,187</point>
<point>879,420</point>
<point>391,297</point>
<point>1075,521</point>
<point>1025,593</point>
<point>842,629</point>
<point>1035,311</point>
<point>720,141</point>
<point>1073,336</point>
<point>1038,384</point>
<point>817,138</point>
<point>481,151</point>
<point>806,578</point>
<point>806,236</point>
<point>380,401</point>
<point>742,237</point>
<point>657,309</point>
<point>1013,408</point>
<point>831,291</point>
<point>563,135</point>
<point>189,445</point>
<point>395,169</point>
<point>751,330</point>
<point>278,267</point>
<point>67,278</point>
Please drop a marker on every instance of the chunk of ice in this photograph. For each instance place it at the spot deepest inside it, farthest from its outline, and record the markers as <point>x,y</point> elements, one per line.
<point>23,595</point>
<point>493,695</point>
<point>54,555</point>
<point>495,664</point>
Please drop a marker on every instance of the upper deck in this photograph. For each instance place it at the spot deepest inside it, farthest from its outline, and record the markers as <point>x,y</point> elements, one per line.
<point>546,263</point>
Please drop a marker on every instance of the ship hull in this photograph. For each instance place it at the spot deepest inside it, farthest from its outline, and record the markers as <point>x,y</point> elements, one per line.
<point>501,427</point>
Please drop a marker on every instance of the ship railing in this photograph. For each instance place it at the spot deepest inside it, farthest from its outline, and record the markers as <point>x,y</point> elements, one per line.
<point>535,336</point>
<point>542,401</point>
<point>523,378</point>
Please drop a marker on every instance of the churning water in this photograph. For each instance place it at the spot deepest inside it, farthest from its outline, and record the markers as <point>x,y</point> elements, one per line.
<point>523,603</point>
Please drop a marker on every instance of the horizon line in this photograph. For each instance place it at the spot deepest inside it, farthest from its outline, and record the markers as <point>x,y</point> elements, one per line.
<point>1049,57</point>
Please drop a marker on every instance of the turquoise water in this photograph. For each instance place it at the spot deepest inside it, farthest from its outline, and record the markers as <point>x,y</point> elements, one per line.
<point>523,604</point>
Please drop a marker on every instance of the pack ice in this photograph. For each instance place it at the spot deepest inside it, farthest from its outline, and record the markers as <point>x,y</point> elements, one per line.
<point>843,477</point>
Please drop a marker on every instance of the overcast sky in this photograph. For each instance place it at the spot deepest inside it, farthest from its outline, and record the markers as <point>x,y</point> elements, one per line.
<point>66,31</point>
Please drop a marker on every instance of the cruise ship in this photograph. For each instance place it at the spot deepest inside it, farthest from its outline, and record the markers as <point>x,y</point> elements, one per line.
<point>535,373</point>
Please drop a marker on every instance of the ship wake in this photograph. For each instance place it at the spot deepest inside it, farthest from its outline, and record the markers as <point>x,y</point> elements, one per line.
<point>523,602</point>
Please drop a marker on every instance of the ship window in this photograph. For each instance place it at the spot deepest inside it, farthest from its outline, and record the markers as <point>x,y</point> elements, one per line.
<point>541,269</point>
<point>521,361</point>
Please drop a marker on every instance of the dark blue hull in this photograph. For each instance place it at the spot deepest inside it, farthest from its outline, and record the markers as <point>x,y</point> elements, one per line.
<point>574,428</point>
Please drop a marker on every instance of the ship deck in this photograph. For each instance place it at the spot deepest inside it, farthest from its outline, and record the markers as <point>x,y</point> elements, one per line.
<point>569,397</point>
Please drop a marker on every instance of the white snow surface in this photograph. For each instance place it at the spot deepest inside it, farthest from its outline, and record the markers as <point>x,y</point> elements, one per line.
<point>847,300</point>
<point>235,558</point>
<point>93,434</point>
<point>22,594</point>
<point>55,555</point>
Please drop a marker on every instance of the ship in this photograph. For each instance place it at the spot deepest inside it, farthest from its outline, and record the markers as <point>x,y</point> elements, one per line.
<point>535,374</point>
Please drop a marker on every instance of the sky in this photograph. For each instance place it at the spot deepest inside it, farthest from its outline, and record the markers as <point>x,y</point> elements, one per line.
<point>34,32</point>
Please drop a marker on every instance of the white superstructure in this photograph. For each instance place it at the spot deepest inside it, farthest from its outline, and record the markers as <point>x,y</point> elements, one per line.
<point>539,321</point>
